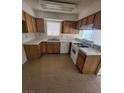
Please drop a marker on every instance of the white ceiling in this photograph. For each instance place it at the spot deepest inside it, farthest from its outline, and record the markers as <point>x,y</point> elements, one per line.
<point>79,5</point>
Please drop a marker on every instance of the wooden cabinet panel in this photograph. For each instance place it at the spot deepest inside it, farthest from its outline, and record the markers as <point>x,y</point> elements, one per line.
<point>43,47</point>
<point>69,27</point>
<point>97,20</point>
<point>40,25</point>
<point>84,21</point>
<point>29,22</point>
<point>91,64</point>
<point>32,51</point>
<point>34,24</point>
<point>88,64</point>
<point>79,24</point>
<point>23,15</point>
<point>53,47</point>
<point>90,19</point>
<point>80,61</point>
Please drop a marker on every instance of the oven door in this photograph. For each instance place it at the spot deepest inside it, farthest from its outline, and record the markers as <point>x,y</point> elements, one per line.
<point>74,53</point>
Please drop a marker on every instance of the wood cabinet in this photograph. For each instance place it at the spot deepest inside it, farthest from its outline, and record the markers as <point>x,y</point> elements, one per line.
<point>43,47</point>
<point>88,64</point>
<point>90,19</point>
<point>53,47</point>
<point>23,15</point>
<point>34,24</point>
<point>94,19</point>
<point>40,25</point>
<point>29,22</point>
<point>78,24</point>
<point>97,20</point>
<point>69,27</point>
<point>32,51</point>
<point>84,21</point>
<point>81,60</point>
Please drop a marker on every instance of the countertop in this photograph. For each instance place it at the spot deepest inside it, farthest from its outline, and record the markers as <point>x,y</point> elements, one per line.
<point>90,51</point>
<point>38,41</point>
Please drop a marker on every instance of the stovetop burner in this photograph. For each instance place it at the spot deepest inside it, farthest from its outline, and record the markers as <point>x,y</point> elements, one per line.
<point>80,45</point>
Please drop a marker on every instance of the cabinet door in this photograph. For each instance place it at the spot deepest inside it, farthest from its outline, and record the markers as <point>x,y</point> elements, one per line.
<point>80,61</point>
<point>40,25</point>
<point>23,15</point>
<point>32,51</point>
<point>43,47</point>
<point>79,24</point>
<point>34,24</point>
<point>90,19</point>
<point>29,22</point>
<point>84,21</point>
<point>53,47</point>
<point>97,20</point>
<point>66,27</point>
<point>69,27</point>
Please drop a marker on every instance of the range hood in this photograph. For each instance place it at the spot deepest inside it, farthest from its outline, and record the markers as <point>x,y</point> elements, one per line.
<point>88,27</point>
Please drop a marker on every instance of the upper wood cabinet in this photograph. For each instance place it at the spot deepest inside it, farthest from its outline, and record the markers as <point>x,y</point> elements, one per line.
<point>28,21</point>
<point>94,19</point>
<point>97,20</point>
<point>84,21</point>
<point>40,25</point>
<point>90,19</point>
<point>69,27</point>
<point>34,24</point>
<point>23,15</point>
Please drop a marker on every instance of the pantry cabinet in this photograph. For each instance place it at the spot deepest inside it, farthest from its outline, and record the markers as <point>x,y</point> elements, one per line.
<point>40,25</point>
<point>53,47</point>
<point>88,64</point>
<point>32,51</point>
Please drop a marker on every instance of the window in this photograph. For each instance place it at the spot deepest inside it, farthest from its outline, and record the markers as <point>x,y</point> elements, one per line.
<point>53,27</point>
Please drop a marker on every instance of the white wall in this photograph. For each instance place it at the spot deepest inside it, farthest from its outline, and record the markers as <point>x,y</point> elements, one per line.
<point>96,37</point>
<point>61,16</point>
<point>27,8</point>
<point>95,7</point>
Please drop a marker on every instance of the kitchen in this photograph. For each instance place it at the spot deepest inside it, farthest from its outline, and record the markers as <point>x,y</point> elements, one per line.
<point>67,34</point>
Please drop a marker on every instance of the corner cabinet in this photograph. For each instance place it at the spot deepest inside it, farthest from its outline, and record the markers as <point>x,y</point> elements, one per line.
<point>30,23</point>
<point>32,51</point>
<point>88,64</point>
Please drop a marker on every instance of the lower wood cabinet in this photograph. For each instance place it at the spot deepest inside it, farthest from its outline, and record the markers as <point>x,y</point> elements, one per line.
<point>88,64</point>
<point>43,47</point>
<point>32,51</point>
<point>53,47</point>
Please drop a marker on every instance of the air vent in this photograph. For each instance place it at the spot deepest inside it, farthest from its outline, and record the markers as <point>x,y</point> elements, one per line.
<point>56,6</point>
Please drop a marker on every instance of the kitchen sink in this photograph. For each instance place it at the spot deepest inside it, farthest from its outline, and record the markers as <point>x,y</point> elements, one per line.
<point>53,40</point>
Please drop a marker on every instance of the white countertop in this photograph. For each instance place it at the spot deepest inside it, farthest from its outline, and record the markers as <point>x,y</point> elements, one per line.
<point>38,41</point>
<point>90,51</point>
